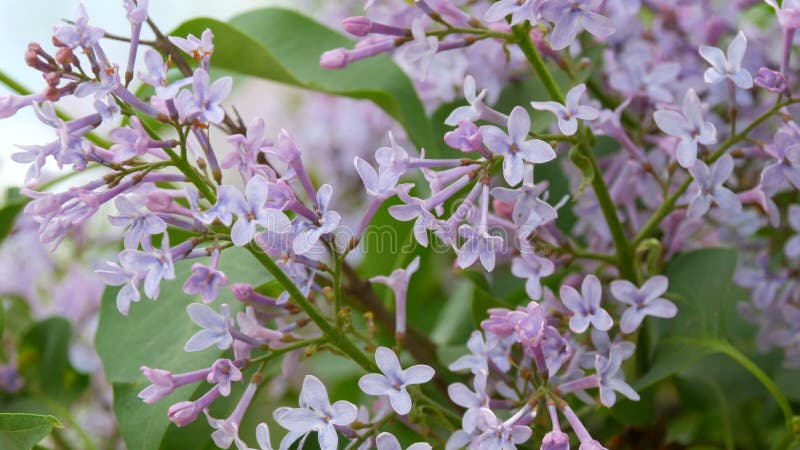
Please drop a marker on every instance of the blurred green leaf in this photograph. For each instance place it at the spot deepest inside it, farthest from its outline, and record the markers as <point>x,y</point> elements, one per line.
<point>285,46</point>
<point>12,206</point>
<point>153,334</point>
<point>23,431</point>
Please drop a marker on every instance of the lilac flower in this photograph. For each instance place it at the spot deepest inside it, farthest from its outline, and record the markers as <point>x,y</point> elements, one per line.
<point>156,76</point>
<point>10,104</point>
<point>480,244</point>
<point>398,282</point>
<point>206,280</point>
<point>387,441</point>
<point>585,306</point>
<point>612,379</point>
<point>586,440</point>
<point>689,127</point>
<point>514,147</point>
<point>309,236</point>
<point>709,186</point>
<point>481,353</point>
<point>466,137</point>
<point>394,380</point>
<point>529,210</point>
<point>792,246</point>
<point>422,49</point>
<point>556,349</point>
<point>520,11</point>
<point>37,155</point>
<point>646,301</point>
<point>113,274</point>
<point>153,264</point>
<point>569,113</point>
<point>186,412</point>
<point>199,49</point>
<point>251,210</point>
<point>227,199</point>
<point>413,209</point>
<point>786,151</point>
<point>139,222</point>
<point>164,383</point>
<point>729,67</point>
<point>79,33</point>
<point>226,432</point>
<point>380,185</point>
<point>532,268</point>
<point>216,327</point>
<point>462,396</point>
<point>316,414</point>
<point>223,371</point>
<point>570,16</point>
<point>499,435</point>
<point>472,112</point>
<point>771,80</point>
<point>204,103</point>
<point>555,439</point>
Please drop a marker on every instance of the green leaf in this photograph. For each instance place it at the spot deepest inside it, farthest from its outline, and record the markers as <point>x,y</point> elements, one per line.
<point>153,334</point>
<point>23,431</point>
<point>285,46</point>
<point>700,283</point>
<point>585,166</point>
<point>44,361</point>
<point>13,205</point>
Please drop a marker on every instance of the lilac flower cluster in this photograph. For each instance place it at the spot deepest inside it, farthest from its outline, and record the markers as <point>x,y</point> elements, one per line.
<point>707,154</point>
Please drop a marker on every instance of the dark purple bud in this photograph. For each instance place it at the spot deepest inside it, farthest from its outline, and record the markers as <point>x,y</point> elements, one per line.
<point>358,25</point>
<point>771,80</point>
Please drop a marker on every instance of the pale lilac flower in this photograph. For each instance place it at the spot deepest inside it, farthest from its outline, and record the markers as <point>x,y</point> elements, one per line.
<point>462,396</point>
<point>771,80</point>
<point>499,435</point>
<point>387,441</point>
<point>156,76</point>
<point>227,199</point>
<point>79,33</point>
<point>226,432</point>
<point>532,268</point>
<point>251,211</point>
<point>113,274</point>
<point>788,12</point>
<point>689,127</point>
<point>163,382</point>
<point>223,371</point>
<point>792,246</point>
<point>515,147</point>
<point>612,378</point>
<point>140,222</point>
<point>529,210</point>
<point>37,155</point>
<point>555,439</point>
<point>479,245</point>
<point>380,185</point>
<point>310,234</point>
<point>586,440</point>
<point>520,11</point>
<point>555,348</point>
<point>585,306</point>
<point>471,112</point>
<point>729,67</point>
<point>216,327</point>
<point>152,266</point>
<point>786,168</point>
<point>414,209</point>
<point>709,186</point>
<point>199,49</point>
<point>466,137</point>
<point>316,414</point>
<point>492,349</point>
<point>422,49</point>
<point>206,280</point>
<point>644,301</point>
<point>569,17</point>
<point>569,113</point>
<point>394,380</point>
<point>204,103</point>
<point>10,103</point>
<point>398,282</point>
<point>186,412</point>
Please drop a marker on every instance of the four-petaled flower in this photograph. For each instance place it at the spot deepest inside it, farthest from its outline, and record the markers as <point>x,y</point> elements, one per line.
<point>394,380</point>
<point>309,235</point>
<point>515,147</point>
<point>585,306</point>
<point>786,151</point>
<point>609,371</point>
<point>644,301</point>
<point>422,49</point>
<point>520,11</point>
<point>216,327</point>
<point>569,113</point>
<point>689,127</point>
<point>223,371</point>
<point>315,413</point>
<point>709,186</point>
<point>729,67</point>
<point>250,211</point>
<point>570,16</point>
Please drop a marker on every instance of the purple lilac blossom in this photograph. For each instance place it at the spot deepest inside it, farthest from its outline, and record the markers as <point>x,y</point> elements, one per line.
<point>394,380</point>
<point>644,301</point>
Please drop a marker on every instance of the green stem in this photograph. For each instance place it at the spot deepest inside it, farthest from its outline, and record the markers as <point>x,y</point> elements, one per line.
<point>669,204</point>
<point>286,349</point>
<point>334,335</point>
<point>337,285</point>
<point>624,253</point>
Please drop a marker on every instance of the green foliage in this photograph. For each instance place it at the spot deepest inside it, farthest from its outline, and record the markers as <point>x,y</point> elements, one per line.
<point>153,334</point>
<point>23,431</point>
<point>285,46</point>
<point>11,207</point>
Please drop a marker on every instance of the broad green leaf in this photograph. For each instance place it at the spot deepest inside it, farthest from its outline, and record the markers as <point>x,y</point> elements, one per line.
<point>701,283</point>
<point>153,334</point>
<point>44,361</point>
<point>11,207</point>
<point>585,166</point>
<point>23,431</point>
<point>285,46</point>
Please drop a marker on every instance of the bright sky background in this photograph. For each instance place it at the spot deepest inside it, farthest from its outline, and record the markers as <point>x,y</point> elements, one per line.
<point>31,20</point>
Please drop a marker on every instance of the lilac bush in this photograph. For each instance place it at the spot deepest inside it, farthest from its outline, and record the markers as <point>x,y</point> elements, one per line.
<point>544,224</point>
